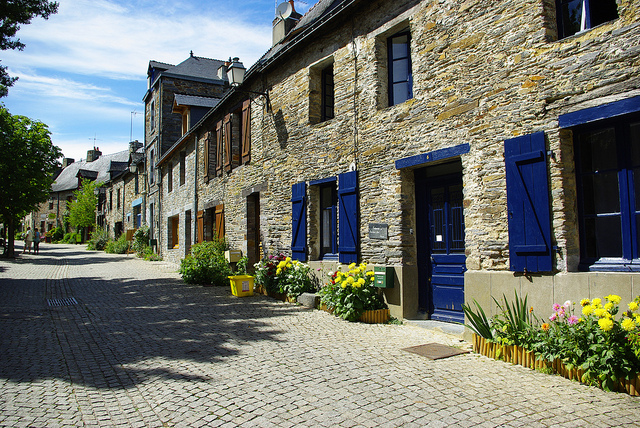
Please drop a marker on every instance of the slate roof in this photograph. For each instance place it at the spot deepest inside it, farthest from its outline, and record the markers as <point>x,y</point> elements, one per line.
<point>103,168</point>
<point>195,101</point>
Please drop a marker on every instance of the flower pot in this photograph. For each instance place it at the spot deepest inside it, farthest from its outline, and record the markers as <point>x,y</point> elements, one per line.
<point>377,316</point>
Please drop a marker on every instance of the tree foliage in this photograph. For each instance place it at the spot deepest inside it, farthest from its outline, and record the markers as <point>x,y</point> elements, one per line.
<point>14,13</point>
<point>27,164</point>
<point>82,211</point>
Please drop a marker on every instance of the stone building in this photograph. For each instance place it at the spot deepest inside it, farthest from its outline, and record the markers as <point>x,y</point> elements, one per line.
<point>177,95</point>
<point>475,148</point>
<point>96,167</point>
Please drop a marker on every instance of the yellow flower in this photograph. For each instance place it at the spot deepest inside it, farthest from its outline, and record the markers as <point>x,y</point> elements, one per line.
<point>600,312</point>
<point>608,306</point>
<point>288,265</point>
<point>344,284</point>
<point>371,273</point>
<point>352,266</point>
<point>628,324</point>
<point>350,280</point>
<point>587,310</point>
<point>361,281</point>
<point>584,302</point>
<point>282,264</point>
<point>596,302</point>
<point>613,298</point>
<point>633,306</point>
<point>288,260</point>
<point>295,262</point>
<point>278,271</point>
<point>605,324</point>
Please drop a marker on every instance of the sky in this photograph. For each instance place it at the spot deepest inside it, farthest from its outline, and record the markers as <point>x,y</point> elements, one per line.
<point>83,71</point>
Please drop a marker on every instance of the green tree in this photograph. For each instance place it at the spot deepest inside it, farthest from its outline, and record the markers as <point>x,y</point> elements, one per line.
<point>27,163</point>
<point>13,13</point>
<point>82,210</point>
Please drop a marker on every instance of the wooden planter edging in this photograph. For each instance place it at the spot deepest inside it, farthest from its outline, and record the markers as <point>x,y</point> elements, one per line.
<point>377,316</point>
<point>517,355</point>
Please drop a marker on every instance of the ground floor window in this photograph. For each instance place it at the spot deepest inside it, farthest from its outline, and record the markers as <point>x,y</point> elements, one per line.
<point>607,155</point>
<point>173,230</point>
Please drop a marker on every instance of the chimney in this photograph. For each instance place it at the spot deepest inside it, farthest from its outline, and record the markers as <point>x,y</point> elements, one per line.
<point>67,161</point>
<point>134,145</point>
<point>93,154</point>
<point>286,19</point>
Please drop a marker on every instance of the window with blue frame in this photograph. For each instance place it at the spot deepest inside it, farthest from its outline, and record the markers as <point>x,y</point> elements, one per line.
<point>400,77</point>
<point>575,16</point>
<point>607,155</point>
<point>328,221</point>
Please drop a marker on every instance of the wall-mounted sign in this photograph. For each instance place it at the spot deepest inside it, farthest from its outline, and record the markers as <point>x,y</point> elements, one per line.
<point>378,231</point>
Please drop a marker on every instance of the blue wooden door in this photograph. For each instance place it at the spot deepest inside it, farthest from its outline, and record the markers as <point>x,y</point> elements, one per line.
<point>441,252</point>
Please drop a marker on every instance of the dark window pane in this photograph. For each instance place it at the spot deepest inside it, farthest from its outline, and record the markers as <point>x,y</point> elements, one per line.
<point>456,218</point>
<point>599,150</point>
<point>438,231</point>
<point>400,92</point>
<point>571,17</point>
<point>602,11</point>
<point>608,236</point>
<point>606,195</point>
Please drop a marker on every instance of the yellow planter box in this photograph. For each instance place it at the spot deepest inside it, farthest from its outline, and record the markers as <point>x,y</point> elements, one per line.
<point>241,285</point>
<point>377,316</point>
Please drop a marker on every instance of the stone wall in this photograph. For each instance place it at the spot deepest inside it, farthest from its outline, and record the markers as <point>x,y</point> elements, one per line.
<point>482,73</point>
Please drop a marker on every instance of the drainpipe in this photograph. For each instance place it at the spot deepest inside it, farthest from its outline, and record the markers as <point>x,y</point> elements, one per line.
<point>195,190</point>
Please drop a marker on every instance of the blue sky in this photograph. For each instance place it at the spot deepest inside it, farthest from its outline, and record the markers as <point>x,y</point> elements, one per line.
<point>83,71</point>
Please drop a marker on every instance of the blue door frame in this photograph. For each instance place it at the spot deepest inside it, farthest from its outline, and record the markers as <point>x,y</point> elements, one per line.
<point>440,245</point>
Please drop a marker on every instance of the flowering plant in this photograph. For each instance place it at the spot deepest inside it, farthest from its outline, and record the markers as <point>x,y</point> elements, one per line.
<point>349,294</point>
<point>280,274</point>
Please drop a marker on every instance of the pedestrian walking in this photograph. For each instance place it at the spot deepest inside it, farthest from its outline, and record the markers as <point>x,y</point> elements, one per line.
<point>36,241</point>
<point>28,239</point>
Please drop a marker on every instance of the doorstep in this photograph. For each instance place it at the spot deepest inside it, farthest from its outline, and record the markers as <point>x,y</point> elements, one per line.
<point>444,327</point>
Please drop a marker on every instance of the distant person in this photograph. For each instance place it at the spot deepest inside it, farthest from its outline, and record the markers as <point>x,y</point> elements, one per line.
<point>36,241</point>
<point>28,238</point>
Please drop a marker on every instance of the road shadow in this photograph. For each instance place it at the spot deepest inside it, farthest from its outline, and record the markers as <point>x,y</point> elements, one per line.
<point>117,328</point>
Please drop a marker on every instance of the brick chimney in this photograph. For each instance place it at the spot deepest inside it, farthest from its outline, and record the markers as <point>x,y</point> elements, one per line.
<point>283,24</point>
<point>67,161</point>
<point>93,154</point>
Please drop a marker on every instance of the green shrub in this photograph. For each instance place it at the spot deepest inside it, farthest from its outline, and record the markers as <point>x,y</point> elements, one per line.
<point>72,238</point>
<point>120,246</point>
<point>206,264</point>
<point>150,255</point>
<point>57,234</point>
<point>140,240</point>
<point>99,239</point>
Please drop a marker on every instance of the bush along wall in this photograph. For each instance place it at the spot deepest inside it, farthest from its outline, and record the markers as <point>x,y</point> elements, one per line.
<point>593,342</point>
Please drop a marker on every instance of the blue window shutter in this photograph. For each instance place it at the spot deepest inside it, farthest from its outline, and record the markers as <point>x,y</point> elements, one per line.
<point>528,204</point>
<point>299,221</point>
<point>348,230</point>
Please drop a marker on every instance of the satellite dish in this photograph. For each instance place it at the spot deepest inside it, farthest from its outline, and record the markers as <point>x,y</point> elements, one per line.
<point>284,10</point>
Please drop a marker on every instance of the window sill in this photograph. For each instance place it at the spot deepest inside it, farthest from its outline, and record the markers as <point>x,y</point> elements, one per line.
<point>611,265</point>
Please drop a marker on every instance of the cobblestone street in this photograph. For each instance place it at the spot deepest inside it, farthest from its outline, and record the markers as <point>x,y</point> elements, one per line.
<point>98,340</point>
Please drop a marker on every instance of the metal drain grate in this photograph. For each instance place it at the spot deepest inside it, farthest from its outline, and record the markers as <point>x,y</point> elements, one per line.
<point>67,301</point>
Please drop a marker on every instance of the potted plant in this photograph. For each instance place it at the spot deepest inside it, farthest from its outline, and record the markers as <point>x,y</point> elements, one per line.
<point>353,296</point>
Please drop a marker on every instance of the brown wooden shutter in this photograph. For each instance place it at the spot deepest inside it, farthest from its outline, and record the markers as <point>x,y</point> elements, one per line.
<point>227,143</point>
<point>219,148</point>
<point>207,143</point>
<point>220,221</point>
<point>246,131</point>
<point>200,226</point>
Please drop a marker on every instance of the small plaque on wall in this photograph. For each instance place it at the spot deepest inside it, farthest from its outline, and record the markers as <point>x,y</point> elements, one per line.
<point>378,231</point>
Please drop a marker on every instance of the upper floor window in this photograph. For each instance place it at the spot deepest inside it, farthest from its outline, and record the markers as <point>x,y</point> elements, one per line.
<point>170,177</point>
<point>152,115</point>
<point>575,16</point>
<point>327,111</point>
<point>328,221</point>
<point>152,177</point>
<point>183,167</point>
<point>400,77</point>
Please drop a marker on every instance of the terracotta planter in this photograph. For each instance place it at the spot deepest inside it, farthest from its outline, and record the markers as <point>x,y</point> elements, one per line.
<point>377,316</point>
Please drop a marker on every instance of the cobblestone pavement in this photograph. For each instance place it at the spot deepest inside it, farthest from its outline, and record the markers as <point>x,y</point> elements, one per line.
<point>97,340</point>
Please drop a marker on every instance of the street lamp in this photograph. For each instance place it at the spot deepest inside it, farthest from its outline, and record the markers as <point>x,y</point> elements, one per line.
<point>235,74</point>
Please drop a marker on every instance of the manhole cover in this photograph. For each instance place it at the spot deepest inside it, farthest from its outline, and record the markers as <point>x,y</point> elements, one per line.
<point>435,351</point>
<point>67,301</point>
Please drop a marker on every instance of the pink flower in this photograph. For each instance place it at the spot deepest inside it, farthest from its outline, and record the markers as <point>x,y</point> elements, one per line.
<point>553,317</point>
<point>572,320</point>
<point>556,307</point>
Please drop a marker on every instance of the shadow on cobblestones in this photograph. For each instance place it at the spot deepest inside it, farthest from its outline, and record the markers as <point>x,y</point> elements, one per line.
<point>121,325</point>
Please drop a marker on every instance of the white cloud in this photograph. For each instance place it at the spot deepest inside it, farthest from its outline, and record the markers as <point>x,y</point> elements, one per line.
<point>106,39</point>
